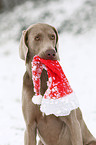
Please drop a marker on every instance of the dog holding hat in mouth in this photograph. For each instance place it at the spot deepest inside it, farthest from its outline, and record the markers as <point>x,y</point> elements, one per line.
<point>49,104</point>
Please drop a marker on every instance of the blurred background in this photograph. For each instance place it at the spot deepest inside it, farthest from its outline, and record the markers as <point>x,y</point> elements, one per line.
<point>75,21</point>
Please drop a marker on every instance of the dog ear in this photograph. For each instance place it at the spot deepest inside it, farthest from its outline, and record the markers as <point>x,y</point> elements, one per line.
<point>56,45</point>
<point>23,49</point>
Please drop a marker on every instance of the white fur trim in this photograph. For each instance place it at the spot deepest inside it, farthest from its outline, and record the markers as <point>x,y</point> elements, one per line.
<point>59,107</point>
<point>37,99</point>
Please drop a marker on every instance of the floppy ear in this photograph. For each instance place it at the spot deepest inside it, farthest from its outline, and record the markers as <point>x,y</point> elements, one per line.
<point>56,34</point>
<point>57,44</point>
<point>23,49</point>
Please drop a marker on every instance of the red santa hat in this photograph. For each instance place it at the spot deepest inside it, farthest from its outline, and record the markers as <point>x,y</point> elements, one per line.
<point>59,99</point>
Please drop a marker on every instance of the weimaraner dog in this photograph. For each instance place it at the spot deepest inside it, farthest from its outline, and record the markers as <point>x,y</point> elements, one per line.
<point>42,40</point>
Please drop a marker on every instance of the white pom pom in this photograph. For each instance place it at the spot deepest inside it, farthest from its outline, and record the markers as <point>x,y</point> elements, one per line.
<point>37,99</point>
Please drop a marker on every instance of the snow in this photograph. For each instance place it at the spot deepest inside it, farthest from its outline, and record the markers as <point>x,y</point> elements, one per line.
<point>79,63</point>
<point>11,119</point>
<point>77,53</point>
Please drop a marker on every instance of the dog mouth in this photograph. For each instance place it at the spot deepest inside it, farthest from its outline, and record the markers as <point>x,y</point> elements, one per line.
<point>49,54</point>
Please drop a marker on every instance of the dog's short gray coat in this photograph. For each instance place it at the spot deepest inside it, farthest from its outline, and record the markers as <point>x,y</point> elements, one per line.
<point>52,130</point>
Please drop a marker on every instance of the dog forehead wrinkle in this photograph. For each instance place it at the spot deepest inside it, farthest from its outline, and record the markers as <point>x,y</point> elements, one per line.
<point>41,29</point>
<point>35,32</point>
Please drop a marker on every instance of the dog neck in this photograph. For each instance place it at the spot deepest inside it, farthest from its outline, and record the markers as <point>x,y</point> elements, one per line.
<point>28,69</point>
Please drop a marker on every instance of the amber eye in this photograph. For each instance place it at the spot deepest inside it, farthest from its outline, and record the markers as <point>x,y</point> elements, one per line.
<point>37,38</point>
<point>52,37</point>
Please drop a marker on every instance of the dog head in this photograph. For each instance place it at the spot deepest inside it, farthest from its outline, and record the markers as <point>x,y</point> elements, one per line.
<point>39,39</point>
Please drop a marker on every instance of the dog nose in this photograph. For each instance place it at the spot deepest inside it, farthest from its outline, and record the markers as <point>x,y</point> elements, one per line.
<point>50,54</point>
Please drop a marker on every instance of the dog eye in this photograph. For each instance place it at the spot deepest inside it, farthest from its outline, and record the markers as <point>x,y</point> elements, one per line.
<point>37,38</point>
<point>52,37</point>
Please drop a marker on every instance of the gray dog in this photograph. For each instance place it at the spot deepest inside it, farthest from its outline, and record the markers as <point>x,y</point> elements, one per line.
<point>42,39</point>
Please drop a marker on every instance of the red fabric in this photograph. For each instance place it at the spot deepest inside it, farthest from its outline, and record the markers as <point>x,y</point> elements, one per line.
<point>59,86</point>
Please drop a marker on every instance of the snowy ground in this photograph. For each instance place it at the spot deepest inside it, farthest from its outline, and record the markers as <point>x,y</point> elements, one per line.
<point>77,53</point>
